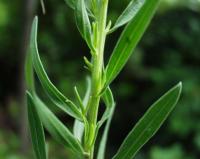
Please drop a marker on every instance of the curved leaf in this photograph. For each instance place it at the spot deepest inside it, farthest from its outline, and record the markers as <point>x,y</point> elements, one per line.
<point>128,14</point>
<point>109,102</point>
<point>102,146</point>
<point>110,107</point>
<point>36,130</point>
<point>78,128</point>
<point>129,39</point>
<point>83,22</point>
<point>108,97</point>
<point>55,95</point>
<point>43,6</point>
<point>54,126</point>
<point>149,124</point>
<point>30,84</point>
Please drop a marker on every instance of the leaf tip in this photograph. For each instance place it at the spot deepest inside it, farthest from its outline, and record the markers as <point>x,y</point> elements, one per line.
<point>28,93</point>
<point>180,86</point>
<point>36,18</point>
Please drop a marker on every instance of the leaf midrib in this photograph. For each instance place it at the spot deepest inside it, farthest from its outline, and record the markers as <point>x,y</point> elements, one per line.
<point>113,70</point>
<point>140,136</point>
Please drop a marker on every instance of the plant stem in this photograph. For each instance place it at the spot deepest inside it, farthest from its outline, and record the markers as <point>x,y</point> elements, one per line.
<point>97,73</point>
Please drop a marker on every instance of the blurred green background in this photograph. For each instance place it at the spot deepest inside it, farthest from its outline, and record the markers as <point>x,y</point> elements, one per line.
<point>168,53</point>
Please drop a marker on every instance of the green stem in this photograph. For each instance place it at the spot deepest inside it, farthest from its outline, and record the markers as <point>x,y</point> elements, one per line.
<point>97,73</point>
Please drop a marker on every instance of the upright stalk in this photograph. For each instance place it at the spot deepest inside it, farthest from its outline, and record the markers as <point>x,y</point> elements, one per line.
<point>40,115</point>
<point>97,73</point>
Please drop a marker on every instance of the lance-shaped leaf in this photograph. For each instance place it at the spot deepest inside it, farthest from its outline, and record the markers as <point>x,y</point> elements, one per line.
<point>110,104</point>
<point>128,14</point>
<point>149,124</point>
<point>78,128</point>
<point>83,22</point>
<point>129,39</point>
<point>29,73</point>
<point>43,6</point>
<point>108,97</point>
<point>54,126</point>
<point>36,130</point>
<point>103,142</point>
<point>35,125</point>
<point>55,95</point>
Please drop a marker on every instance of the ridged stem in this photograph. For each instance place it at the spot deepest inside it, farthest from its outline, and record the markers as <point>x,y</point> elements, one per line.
<point>97,73</point>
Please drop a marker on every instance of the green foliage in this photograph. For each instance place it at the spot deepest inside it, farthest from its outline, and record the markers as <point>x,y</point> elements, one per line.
<point>55,95</point>
<point>177,58</point>
<point>54,126</point>
<point>36,130</point>
<point>109,103</point>
<point>129,39</point>
<point>128,14</point>
<point>102,146</point>
<point>78,128</point>
<point>138,15</point>
<point>83,22</point>
<point>149,123</point>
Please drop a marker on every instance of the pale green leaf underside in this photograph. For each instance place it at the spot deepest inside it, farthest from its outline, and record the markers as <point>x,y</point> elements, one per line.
<point>110,107</point>
<point>55,95</point>
<point>78,127</point>
<point>149,124</point>
<point>36,130</point>
<point>108,99</point>
<point>129,39</point>
<point>54,126</point>
<point>128,14</point>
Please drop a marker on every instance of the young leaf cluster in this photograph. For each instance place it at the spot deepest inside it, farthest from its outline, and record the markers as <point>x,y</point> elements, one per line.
<point>94,27</point>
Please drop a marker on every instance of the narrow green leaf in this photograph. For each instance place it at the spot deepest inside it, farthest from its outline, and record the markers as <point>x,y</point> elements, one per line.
<point>129,39</point>
<point>149,124</point>
<point>110,107</point>
<point>88,4</point>
<point>108,97</point>
<point>78,128</point>
<point>109,102</point>
<point>43,6</point>
<point>55,127</point>
<point>70,3</point>
<point>128,14</point>
<point>29,73</point>
<point>102,146</point>
<point>83,22</point>
<point>55,95</point>
<point>37,131</point>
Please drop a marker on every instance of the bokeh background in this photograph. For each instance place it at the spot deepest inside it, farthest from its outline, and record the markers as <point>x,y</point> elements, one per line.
<point>168,53</point>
